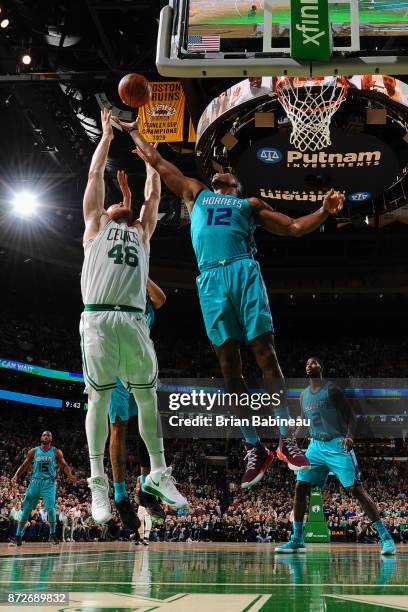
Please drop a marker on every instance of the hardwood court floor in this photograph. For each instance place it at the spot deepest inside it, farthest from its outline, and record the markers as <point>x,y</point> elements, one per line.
<point>206,577</point>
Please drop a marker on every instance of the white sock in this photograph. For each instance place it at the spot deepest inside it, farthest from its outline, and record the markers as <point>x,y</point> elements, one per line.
<point>150,427</point>
<point>147,526</point>
<point>141,513</point>
<point>157,461</point>
<point>97,429</point>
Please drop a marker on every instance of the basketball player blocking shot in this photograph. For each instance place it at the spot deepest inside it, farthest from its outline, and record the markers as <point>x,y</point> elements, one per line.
<point>115,337</point>
<point>233,296</point>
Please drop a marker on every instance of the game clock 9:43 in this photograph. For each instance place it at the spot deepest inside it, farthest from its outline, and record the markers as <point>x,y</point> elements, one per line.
<point>75,405</point>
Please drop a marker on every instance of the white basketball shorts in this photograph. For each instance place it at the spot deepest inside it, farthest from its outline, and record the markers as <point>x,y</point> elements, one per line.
<point>117,345</point>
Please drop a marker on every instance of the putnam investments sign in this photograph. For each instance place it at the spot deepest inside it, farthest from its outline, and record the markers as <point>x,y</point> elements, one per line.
<point>310,32</point>
<point>356,164</point>
<point>296,159</point>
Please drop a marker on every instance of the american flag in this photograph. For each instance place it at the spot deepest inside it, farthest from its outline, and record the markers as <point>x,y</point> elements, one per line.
<point>197,43</point>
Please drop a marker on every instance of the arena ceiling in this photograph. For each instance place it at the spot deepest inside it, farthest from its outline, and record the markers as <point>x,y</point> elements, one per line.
<point>49,123</point>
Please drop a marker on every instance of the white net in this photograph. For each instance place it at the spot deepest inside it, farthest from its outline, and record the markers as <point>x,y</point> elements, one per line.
<point>310,104</point>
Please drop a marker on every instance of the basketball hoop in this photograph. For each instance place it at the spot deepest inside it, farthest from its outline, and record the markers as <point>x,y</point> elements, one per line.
<point>310,104</point>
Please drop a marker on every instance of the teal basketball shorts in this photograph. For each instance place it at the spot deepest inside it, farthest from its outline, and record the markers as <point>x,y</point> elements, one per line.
<point>234,301</point>
<point>328,456</point>
<point>122,404</point>
<point>41,488</point>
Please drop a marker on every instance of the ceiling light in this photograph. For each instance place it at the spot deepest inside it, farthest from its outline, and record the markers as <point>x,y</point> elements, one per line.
<point>25,203</point>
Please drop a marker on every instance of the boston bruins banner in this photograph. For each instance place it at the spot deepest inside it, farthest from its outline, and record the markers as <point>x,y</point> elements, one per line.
<point>162,119</point>
<point>192,137</point>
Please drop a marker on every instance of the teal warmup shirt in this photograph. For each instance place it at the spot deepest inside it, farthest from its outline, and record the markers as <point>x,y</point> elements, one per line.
<point>149,312</point>
<point>44,463</point>
<point>326,422</point>
<point>327,430</point>
<point>222,228</point>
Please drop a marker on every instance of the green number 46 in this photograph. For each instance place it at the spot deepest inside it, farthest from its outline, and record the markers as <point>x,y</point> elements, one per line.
<point>127,254</point>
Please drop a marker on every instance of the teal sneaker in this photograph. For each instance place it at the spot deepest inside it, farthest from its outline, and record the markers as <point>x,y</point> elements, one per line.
<point>388,547</point>
<point>293,546</point>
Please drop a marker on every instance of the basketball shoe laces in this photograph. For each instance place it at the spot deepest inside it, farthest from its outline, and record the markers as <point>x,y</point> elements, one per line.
<point>169,480</point>
<point>100,492</point>
<point>251,457</point>
<point>293,447</point>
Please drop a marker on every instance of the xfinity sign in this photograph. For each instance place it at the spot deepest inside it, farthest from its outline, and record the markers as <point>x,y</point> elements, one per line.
<point>310,30</point>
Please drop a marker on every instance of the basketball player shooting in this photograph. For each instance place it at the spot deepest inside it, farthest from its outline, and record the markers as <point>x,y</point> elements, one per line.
<point>43,460</point>
<point>232,293</point>
<point>115,338</point>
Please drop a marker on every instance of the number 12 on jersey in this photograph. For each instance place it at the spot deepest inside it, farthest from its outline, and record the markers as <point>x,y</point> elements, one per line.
<point>220,216</point>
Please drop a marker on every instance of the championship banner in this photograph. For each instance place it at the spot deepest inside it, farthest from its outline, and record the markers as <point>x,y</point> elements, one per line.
<point>192,136</point>
<point>162,119</point>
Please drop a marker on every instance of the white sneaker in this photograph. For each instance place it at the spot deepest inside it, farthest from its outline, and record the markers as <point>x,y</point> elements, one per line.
<point>162,484</point>
<point>101,508</point>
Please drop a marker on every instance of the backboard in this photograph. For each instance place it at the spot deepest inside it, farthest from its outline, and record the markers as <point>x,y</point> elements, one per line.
<point>206,38</point>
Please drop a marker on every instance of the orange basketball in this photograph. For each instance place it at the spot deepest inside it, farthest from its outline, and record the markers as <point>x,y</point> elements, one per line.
<point>134,90</point>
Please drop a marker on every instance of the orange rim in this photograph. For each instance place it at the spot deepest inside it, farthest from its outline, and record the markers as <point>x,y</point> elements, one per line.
<point>339,84</point>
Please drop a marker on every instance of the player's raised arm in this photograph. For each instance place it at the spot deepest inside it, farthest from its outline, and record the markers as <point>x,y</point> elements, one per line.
<point>156,294</point>
<point>282,225</point>
<point>182,186</point>
<point>152,195</point>
<point>24,467</point>
<point>94,197</point>
<point>64,465</point>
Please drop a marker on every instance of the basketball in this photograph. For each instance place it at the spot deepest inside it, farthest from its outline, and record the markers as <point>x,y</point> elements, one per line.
<point>134,90</point>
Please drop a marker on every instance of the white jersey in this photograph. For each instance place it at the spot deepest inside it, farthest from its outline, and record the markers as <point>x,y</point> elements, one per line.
<point>115,268</point>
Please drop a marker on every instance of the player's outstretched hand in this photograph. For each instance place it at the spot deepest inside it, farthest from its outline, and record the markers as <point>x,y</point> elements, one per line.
<point>333,202</point>
<point>147,158</point>
<point>347,443</point>
<point>125,125</point>
<point>73,479</point>
<point>106,123</point>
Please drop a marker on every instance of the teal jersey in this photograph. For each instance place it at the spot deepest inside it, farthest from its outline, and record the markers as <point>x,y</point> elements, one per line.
<point>222,228</point>
<point>326,422</point>
<point>44,463</point>
<point>149,312</point>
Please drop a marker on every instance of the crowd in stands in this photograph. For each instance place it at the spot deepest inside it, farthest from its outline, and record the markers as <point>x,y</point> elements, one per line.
<point>50,341</point>
<point>41,339</point>
<point>219,510</point>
